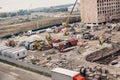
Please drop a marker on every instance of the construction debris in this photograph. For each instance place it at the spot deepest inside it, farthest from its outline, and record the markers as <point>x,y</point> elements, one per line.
<point>61,46</point>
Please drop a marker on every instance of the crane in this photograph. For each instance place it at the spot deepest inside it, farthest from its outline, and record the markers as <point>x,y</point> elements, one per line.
<point>66,24</point>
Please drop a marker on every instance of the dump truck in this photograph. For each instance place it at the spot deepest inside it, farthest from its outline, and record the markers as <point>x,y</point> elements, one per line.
<point>67,44</point>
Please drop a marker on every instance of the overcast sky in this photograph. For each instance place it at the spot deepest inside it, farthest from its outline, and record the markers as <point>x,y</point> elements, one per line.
<point>12,5</point>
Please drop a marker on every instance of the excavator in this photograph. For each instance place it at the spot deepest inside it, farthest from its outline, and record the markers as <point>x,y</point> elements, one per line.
<point>41,44</point>
<point>48,36</point>
<point>38,45</point>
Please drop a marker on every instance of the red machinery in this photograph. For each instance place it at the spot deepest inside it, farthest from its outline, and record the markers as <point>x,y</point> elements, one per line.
<point>67,44</point>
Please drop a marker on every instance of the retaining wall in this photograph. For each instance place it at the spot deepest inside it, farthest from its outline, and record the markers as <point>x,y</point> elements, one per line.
<point>27,66</point>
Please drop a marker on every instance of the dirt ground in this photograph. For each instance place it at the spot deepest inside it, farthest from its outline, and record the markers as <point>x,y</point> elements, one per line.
<point>53,58</point>
<point>72,59</point>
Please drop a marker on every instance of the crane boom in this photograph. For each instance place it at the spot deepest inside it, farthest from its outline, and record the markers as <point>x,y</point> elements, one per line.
<point>68,18</point>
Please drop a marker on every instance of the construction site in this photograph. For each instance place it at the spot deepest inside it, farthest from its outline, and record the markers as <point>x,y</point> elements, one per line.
<point>73,46</point>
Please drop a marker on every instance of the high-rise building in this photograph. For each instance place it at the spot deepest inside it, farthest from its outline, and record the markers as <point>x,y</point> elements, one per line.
<point>99,11</point>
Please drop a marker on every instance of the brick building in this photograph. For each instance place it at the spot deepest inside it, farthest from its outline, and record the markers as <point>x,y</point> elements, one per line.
<point>99,11</point>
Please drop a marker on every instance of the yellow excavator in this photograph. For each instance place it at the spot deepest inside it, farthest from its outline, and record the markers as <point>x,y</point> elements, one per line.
<point>49,40</point>
<point>48,36</point>
<point>66,24</point>
<point>40,45</point>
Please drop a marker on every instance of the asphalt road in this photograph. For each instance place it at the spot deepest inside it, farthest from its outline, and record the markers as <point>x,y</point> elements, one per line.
<point>8,72</point>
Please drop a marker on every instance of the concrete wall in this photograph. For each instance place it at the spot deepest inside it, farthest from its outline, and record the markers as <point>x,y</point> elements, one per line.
<point>89,11</point>
<point>98,11</point>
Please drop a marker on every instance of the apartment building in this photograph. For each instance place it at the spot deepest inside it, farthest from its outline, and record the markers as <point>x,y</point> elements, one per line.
<point>99,11</point>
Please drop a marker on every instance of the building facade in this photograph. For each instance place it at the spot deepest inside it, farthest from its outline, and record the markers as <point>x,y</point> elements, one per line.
<point>99,11</point>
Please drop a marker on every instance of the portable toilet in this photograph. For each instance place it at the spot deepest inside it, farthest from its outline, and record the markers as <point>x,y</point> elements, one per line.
<point>64,74</point>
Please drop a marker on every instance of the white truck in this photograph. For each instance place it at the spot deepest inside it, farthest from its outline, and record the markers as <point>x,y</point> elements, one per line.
<point>64,74</point>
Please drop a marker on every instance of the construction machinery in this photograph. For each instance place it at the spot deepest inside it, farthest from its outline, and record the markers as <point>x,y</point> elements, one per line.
<point>48,36</point>
<point>38,45</point>
<point>88,36</point>
<point>66,24</point>
<point>102,39</point>
<point>41,44</point>
<point>67,44</point>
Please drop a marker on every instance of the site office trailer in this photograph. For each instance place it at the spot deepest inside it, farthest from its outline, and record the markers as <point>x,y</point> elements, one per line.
<point>15,53</point>
<point>7,52</point>
<point>3,48</point>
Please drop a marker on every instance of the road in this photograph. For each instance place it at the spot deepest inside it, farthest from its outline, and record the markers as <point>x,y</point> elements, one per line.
<point>8,72</point>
